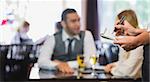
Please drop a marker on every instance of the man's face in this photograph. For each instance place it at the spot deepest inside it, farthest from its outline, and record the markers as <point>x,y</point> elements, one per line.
<point>72,23</point>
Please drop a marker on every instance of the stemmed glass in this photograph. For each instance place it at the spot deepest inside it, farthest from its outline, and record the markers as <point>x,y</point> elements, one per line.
<point>93,60</point>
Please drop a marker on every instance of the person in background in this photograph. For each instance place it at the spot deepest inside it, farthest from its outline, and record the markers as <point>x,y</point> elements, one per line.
<point>58,26</point>
<point>130,62</point>
<point>61,49</point>
<point>138,37</point>
<point>21,36</point>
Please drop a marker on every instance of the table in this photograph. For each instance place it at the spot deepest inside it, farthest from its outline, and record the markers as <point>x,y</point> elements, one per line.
<point>37,74</point>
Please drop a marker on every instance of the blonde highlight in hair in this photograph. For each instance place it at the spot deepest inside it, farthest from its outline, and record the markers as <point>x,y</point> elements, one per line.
<point>130,17</point>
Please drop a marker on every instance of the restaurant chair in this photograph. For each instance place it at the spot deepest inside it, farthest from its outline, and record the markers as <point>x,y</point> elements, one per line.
<point>108,52</point>
<point>16,61</point>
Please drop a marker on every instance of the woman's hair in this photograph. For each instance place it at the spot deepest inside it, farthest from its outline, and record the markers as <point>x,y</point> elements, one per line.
<point>130,17</point>
<point>26,24</point>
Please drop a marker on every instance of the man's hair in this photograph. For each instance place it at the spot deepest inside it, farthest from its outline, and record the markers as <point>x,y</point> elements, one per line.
<point>65,12</point>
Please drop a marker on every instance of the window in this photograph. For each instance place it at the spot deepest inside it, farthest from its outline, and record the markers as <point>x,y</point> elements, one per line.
<point>108,10</point>
<point>41,14</point>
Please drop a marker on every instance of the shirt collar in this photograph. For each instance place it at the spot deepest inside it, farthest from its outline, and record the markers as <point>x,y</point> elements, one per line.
<point>65,36</point>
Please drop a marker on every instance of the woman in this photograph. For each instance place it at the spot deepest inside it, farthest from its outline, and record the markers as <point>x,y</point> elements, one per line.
<point>130,62</point>
<point>21,36</point>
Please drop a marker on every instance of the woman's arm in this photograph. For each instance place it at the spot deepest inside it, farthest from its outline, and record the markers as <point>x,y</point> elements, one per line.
<point>131,65</point>
<point>137,37</point>
<point>132,42</point>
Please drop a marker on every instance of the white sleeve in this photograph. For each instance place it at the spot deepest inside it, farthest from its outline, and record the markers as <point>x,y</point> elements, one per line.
<point>131,66</point>
<point>89,46</point>
<point>73,64</point>
<point>44,60</point>
<point>16,39</point>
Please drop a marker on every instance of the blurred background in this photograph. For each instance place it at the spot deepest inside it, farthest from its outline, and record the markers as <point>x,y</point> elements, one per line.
<point>96,15</point>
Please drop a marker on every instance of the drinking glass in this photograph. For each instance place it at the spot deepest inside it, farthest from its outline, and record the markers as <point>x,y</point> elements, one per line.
<point>93,60</point>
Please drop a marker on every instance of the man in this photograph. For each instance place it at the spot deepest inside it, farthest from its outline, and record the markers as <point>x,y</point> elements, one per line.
<point>138,37</point>
<point>61,49</point>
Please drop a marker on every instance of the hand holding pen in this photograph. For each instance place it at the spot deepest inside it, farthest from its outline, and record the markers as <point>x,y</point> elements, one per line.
<point>120,31</point>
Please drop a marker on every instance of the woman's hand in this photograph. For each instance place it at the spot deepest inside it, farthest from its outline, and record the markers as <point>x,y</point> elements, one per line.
<point>109,67</point>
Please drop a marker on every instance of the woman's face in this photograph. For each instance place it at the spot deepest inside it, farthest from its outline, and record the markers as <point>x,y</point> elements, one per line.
<point>24,29</point>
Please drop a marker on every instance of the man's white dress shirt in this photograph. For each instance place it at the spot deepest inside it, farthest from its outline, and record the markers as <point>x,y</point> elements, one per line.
<point>44,60</point>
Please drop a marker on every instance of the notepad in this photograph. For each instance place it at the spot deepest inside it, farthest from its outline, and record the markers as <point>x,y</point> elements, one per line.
<point>107,37</point>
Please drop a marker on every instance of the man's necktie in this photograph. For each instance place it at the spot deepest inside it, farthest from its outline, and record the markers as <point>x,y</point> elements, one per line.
<point>70,46</point>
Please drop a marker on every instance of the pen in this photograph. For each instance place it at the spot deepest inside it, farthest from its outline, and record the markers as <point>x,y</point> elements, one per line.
<point>120,23</point>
